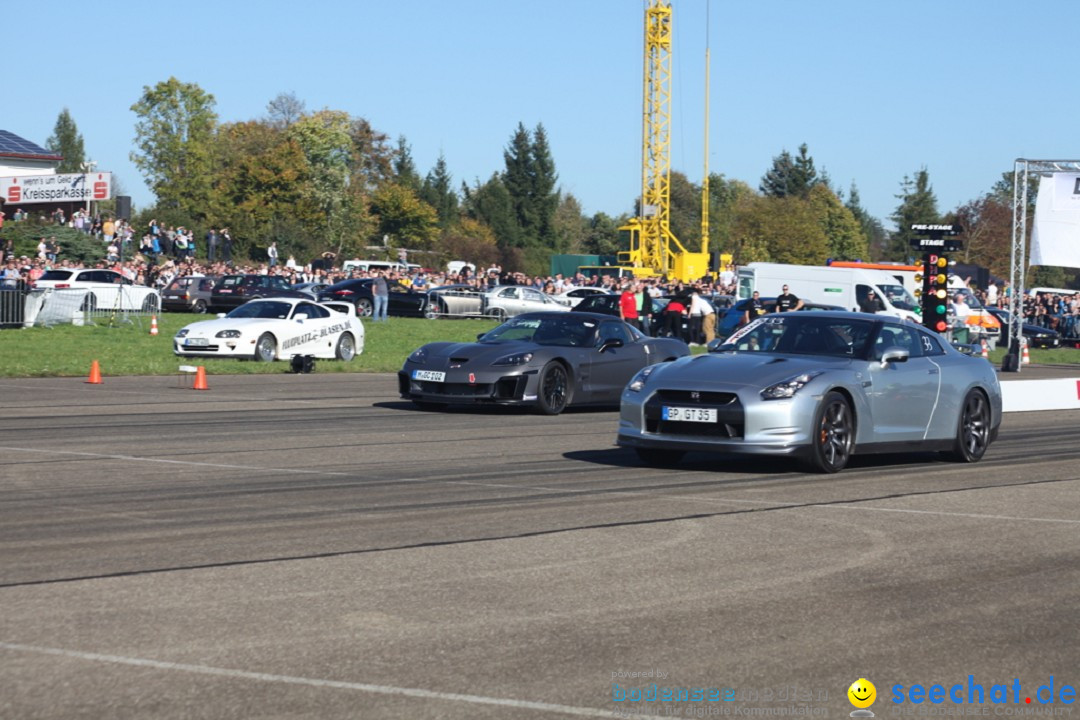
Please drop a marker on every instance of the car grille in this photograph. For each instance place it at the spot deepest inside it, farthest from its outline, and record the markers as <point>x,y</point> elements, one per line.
<point>508,388</point>
<point>729,412</point>
<point>201,348</point>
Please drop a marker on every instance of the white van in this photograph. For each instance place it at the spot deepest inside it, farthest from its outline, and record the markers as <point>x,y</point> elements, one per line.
<point>844,287</point>
<point>373,265</point>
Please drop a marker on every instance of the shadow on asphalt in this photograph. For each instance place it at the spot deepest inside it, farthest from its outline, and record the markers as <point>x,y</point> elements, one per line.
<point>487,409</point>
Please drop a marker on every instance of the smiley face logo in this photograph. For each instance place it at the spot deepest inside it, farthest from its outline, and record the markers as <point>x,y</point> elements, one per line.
<point>862,693</point>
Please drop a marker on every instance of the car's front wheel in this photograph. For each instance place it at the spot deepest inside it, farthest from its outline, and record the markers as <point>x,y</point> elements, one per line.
<point>498,313</point>
<point>432,309</point>
<point>554,392</point>
<point>832,434</point>
<point>346,348</point>
<point>266,348</point>
<point>364,307</point>
<point>973,429</point>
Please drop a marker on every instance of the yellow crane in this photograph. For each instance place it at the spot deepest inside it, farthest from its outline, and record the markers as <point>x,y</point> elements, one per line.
<point>654,251</point>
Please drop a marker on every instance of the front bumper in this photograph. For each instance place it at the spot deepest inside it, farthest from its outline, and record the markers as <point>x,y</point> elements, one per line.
<point>511,388</point>
<point>746,424</point>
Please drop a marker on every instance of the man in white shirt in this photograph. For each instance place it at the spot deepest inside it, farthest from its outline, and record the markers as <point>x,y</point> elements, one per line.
<point>960,307</point>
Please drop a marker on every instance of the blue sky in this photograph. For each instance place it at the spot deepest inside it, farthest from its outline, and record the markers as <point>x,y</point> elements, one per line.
<point>876,89</point>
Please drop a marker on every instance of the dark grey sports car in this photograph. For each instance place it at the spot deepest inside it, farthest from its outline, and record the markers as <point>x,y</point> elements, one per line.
<point>547,359</point>
<point>821,385</point>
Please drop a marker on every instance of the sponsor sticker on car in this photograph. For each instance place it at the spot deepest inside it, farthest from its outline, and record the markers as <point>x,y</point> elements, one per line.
<point>688,414</point>
<point>429,375</point>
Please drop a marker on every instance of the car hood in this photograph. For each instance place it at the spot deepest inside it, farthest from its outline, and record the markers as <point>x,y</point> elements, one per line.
<point>750,369</point>
<point>209,328</point>
<point>474,353</point>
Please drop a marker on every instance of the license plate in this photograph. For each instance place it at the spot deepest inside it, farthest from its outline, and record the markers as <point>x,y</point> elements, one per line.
<point>196,342</point>
<point>689,414</point>
<point>429,375</point>
<point>224,292</point>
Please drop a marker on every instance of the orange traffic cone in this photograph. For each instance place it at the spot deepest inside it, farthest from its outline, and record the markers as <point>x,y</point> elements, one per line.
<point>200,379</point>
<point>95,374</point>
<point>1025,358</point>
<point>985,350</point>
<point>153,325</point>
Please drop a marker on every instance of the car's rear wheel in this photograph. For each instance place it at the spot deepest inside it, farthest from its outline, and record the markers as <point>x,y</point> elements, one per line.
<point>554,392</point>
<point>364,307</point>
<point>973,429</point>
<point>432,309</point>
<point>832,434</point>
<point>199,307</point>
<point>655,457</point>
<point>266,348</point>
<point>498,313</point>
<point>346,347</point>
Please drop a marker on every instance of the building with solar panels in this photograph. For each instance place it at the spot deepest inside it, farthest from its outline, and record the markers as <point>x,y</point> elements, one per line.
<point>22,157</point>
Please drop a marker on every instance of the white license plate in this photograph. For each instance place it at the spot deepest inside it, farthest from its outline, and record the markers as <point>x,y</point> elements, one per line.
<point>689,414</point>
<point>429,375</point>
<point>196,342</point>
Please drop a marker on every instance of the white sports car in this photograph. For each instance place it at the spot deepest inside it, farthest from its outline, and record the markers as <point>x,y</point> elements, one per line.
<point>276,329</point>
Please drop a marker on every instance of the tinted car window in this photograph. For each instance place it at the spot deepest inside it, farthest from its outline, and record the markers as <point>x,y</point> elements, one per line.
<point>614,331</point>
<point>312,311</point>
<point>56,275</point>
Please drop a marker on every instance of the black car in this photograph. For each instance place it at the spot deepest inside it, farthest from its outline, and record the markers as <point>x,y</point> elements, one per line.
<point>232,291</point>
<point>1037,336</point>
<point>548,360</point>
<point>403,301</point>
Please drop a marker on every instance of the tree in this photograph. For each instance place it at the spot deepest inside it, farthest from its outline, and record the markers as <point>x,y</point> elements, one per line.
<point>602,235</point>
<point>490,203</point>
<point>783,230</point>
<point>917,205</point>
<point>438,192</point>
<point>843,233</point>
<point>987,235</point>
<point>407,220</point>
<point>324,139</point>
<point>173,138</point>
<point>872,228</point>
<point>790,177</point>
<point>67,142</point>
<point>404,167</point>
<point>518,180</point>
<point>569,225</point>
<point>684,210</point>
<point>724,196</point>
<point>471,241</point>
<point>546,197</point>
<point>284,110</point>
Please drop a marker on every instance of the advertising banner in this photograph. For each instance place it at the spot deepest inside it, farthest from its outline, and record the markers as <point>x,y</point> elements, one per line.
<point>75,187</point>
<point>1055,238</point>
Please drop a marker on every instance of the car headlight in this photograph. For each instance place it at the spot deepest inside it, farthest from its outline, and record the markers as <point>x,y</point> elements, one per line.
<point>638,382</point>
<point>515,359</point>
<point>418,356</point>
<point>788,388</point>
<point>182,332</point>
<point>228,334</point>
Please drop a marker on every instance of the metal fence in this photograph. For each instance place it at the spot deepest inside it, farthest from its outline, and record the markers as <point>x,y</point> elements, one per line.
<point>23,306</point>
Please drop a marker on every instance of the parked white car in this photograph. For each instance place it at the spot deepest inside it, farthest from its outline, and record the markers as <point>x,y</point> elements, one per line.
<point>276,329</point>
<point>106,289</point>
<point>571,298</point>
<point>506,301</point>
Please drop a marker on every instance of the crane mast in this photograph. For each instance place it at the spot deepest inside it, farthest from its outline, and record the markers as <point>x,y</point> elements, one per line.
<point>654,249</point>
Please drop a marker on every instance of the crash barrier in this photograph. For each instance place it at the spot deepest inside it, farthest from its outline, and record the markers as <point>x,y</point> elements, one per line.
<point>453,303</point>
<point>1028,395</point>
<point>12,303</point>
<point>46,307</point>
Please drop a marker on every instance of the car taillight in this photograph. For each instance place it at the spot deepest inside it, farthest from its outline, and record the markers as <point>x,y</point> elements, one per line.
<point>343,292</point>
<point>187,296</point>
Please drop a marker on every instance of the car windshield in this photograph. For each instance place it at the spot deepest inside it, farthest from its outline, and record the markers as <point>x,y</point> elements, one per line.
<point>561,330</point>
<point>898,297</point>
<point>268,310</point>
<point>802,334</point>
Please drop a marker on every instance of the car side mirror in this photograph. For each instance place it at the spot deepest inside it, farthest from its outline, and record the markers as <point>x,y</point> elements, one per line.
<point>300,317</point>
<point>480,336</point>
<point>894,355</point>
<point>611,344</point>
<point>713,345</point>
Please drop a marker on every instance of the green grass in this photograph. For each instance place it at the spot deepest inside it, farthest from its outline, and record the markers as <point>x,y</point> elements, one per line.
<point>1058,356</point>
<point>128,349</point>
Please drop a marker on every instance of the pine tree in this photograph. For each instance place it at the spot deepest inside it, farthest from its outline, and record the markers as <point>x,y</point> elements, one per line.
<point>918,204</point>
<point>404,168</point>
<point>790,177</point>
<point>438,193</point>
<point>871,227</point>
<point>545,196</point>
<point>67,142</point>
<point>518,179</point>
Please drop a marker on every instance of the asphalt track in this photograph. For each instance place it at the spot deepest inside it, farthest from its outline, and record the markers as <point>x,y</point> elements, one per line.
<point>312,547</point>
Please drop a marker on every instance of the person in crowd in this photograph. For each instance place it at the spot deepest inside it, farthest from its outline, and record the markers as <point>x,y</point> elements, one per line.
<point>706,318</point>
<point>960,306</point>
<point>628,304</point>
<point>380,293</point>
<point>871,303</point>
<point>272,254</point>
<point>674,313</point>
<point>754,309</point>
<point>788,302</point>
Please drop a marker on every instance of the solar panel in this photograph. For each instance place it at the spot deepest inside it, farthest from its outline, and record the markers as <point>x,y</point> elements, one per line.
<point>10,143</point>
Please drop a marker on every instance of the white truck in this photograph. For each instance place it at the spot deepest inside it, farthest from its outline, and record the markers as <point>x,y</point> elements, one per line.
<point>844,287</point>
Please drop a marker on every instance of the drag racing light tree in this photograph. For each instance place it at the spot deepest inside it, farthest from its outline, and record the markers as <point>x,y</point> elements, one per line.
<point>936,240</point>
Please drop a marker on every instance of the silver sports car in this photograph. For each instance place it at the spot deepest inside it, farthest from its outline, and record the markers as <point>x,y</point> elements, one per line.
<point>549,360</point>
<point>822,386</point>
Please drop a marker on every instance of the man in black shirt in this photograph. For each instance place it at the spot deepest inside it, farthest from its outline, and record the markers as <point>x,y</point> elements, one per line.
<point>754,309</point>
<point>871,303</point>
<point>788,302</point>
